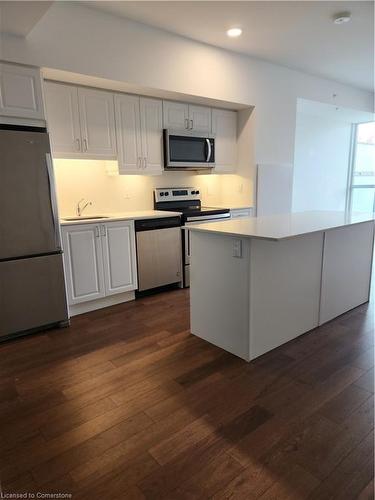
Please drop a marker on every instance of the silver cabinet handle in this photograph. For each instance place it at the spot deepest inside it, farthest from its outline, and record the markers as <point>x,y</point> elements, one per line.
<point>145,162</point>
<point>103,230</point>
<point>78,141</point>
<point>97,234</point>
<point>191,124</point>
<point>187,123</point>
<point>53,200</point>
<point>139,162</point>
<point>85,144</point>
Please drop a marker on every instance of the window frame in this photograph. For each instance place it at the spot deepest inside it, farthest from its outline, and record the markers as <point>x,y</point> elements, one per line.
<point>352,158</point>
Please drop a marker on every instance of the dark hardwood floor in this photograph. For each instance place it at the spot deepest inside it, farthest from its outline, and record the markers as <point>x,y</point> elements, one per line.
<point>127,404</point>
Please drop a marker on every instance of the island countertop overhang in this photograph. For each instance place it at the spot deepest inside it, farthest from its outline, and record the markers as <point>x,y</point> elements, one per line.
<point>283,226</point>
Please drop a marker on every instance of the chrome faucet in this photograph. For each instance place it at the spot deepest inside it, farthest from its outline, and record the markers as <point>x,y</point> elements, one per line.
<point>80,209</point>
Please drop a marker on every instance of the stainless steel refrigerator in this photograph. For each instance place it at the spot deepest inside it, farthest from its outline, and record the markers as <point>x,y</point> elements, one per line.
<point>32,287</point>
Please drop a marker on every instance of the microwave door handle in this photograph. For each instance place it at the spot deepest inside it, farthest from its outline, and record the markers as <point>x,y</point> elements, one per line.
<point>208,150</point>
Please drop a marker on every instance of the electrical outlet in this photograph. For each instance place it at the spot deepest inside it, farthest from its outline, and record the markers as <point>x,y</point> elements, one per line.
<point>127,196</point>
<point>237,248</point>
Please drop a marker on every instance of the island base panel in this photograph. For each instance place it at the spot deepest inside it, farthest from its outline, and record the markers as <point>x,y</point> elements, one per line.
<point>219,292</point>
<point>285,281</point>
<point>346,277</point>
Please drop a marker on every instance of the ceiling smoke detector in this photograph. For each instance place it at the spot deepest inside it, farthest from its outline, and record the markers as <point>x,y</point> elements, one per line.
<point>342,18</point>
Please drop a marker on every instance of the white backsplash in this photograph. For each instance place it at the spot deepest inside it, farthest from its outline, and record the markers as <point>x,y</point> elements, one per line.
<point>89,179</point>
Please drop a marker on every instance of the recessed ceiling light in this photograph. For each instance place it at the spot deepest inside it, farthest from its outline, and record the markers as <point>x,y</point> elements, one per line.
<point>234,32</point>
<point>343,17</point>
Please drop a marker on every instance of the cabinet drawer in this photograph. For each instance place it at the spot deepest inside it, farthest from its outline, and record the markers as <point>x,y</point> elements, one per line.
<point>241,212</point>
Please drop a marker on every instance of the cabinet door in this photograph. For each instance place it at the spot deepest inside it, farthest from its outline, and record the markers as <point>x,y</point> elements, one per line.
<point>20,91</point>
<point>224,126</point>
<point>63,119</point>
<point>118,239</point>
<point>83,262</point>
<point>152,134</point>
<point>97,115</point>
<point>200,118</point>
<point>128,131</point>
<point>175,115</point>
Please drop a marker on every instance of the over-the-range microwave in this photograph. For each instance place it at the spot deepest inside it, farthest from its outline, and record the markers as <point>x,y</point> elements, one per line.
<point>188,151</point>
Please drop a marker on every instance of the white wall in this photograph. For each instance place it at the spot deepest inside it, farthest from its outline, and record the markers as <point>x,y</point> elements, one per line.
<point>75,38</point>
<point>321,160</point>
<point>321,163</point>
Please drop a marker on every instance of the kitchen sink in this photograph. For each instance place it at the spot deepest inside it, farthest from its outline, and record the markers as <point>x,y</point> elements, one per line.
<point>89,217</point>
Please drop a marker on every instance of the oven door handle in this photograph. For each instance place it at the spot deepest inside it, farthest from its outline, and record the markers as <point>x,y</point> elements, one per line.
<point>208,218</point>
<point>208,150</point>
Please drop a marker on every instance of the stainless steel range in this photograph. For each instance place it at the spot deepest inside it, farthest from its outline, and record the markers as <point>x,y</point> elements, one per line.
<point>187,201</point>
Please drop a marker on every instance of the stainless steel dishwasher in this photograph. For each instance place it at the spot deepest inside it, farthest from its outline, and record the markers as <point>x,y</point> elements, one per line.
<point>159,252</point>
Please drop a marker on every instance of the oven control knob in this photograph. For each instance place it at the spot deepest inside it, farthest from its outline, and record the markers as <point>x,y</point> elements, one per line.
<point>196,192</point>
<point>161,193</point>
<point>166,193</point>
<point>193,192</point>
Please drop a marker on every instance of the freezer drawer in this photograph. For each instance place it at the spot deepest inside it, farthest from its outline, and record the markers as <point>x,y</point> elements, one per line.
<point>159,257</point>
<point>32,294</point>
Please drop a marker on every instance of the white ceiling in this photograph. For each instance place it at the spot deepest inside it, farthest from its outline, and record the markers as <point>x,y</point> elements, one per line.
<point>297,34</point>
<point>19,18</point>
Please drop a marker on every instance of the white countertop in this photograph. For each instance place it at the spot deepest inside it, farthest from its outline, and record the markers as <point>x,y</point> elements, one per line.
<point>282,226</point>
<point>110,217</point>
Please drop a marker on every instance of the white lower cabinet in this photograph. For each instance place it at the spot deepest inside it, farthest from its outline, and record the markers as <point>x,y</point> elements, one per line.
<point>99,260</point>
<point>120,272</point>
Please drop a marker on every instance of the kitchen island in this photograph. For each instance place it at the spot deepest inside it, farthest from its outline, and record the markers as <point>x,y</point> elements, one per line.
<point>259,282</point>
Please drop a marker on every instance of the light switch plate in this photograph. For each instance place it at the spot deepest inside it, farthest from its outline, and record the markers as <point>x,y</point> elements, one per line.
<point>237,248</point>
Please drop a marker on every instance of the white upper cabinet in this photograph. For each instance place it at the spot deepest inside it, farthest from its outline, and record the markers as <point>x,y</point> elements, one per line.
<point>128,131</point>
<point>91,123</point>
<point>175,115</point>
<point>96,109</point>
<point>224,127</point>
<point>63,118</point>
<point>139,129</point>
<point>200,118</point>
<point>20,92</point>
<point>152,134</point>
<point>81,121</point>
<point>188,117</point>
<point>118,240</point>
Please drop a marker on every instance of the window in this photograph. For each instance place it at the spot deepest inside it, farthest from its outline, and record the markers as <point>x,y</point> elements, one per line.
<point>361,193</point>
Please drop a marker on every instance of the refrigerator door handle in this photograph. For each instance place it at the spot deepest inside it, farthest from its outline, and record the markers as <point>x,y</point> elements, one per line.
<point>52,190</point>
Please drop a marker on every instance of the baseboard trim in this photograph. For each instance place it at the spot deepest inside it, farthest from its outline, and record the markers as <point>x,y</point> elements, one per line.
<point>92,305</point>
